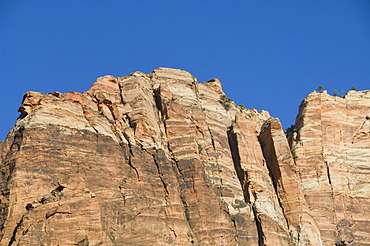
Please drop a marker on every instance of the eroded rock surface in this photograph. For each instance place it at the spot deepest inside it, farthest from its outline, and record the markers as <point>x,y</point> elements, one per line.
<point>331,148</point>
<point>160,159</point>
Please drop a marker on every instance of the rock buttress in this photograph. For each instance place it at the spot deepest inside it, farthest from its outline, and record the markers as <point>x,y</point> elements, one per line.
<point>330,144</point>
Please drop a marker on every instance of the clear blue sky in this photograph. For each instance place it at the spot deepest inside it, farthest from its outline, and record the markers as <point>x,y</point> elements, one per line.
<point>268,54</point>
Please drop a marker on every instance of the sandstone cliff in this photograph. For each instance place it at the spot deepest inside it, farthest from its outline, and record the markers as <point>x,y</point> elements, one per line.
<point>331,148</point>
<point>160,159</point>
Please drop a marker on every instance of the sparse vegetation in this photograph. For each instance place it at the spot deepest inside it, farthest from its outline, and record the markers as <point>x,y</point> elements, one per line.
<point>112,237</point>
<point>239,204</point>
<point>131,173</point>
<point>353,88</point>
<point>293,128</point>
<point>225,102</point>
<point>221,201</point>
<point>124,181</point>
<point>335,93</point>
<point>200,148</point>
<point>241,107</point>
<point>292,239</point>
<point>183,198</point>
<point>320,88</point>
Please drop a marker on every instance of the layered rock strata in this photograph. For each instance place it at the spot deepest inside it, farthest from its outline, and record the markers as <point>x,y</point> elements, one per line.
<point>160,159</point>
<point>331,148</point>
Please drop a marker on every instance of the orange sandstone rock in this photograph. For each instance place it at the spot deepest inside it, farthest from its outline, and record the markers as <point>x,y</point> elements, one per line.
<point>330,144</point>
<point>160,159</point>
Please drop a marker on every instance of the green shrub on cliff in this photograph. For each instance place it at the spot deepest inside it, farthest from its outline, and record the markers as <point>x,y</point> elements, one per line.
<point>225,101</point>
<point>239,204</point>
<point>320,88</point>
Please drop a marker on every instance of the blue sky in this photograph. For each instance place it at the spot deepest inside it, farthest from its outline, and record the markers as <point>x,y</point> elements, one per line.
<point>268,54</point>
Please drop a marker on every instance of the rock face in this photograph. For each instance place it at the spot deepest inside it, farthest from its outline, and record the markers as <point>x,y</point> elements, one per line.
<point>160,159</point>
<point>331,148</point>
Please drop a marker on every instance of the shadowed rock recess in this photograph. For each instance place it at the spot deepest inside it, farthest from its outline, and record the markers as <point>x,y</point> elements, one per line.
<point>160,159</point>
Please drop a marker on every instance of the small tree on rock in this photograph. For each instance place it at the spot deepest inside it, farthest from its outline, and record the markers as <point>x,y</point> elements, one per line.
<point>320,88</point>
<point>225,101</point>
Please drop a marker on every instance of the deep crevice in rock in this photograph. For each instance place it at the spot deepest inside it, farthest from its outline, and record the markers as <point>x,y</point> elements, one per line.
<point>269,153</point>
<point>243,178</point>
<point>157,99</point>
<point>242,175</point>
<point>120,92</point>
<point>14,234</point>
<point>157,164</point>
<point>130,164</point>
<point>261,235</point>
<point>328,173</point>
<point>52,213</point>
<point>128,154</point>
<point>212,140</point>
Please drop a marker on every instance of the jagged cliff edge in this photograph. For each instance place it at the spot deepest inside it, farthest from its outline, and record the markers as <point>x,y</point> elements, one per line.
<point>161,159</point>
